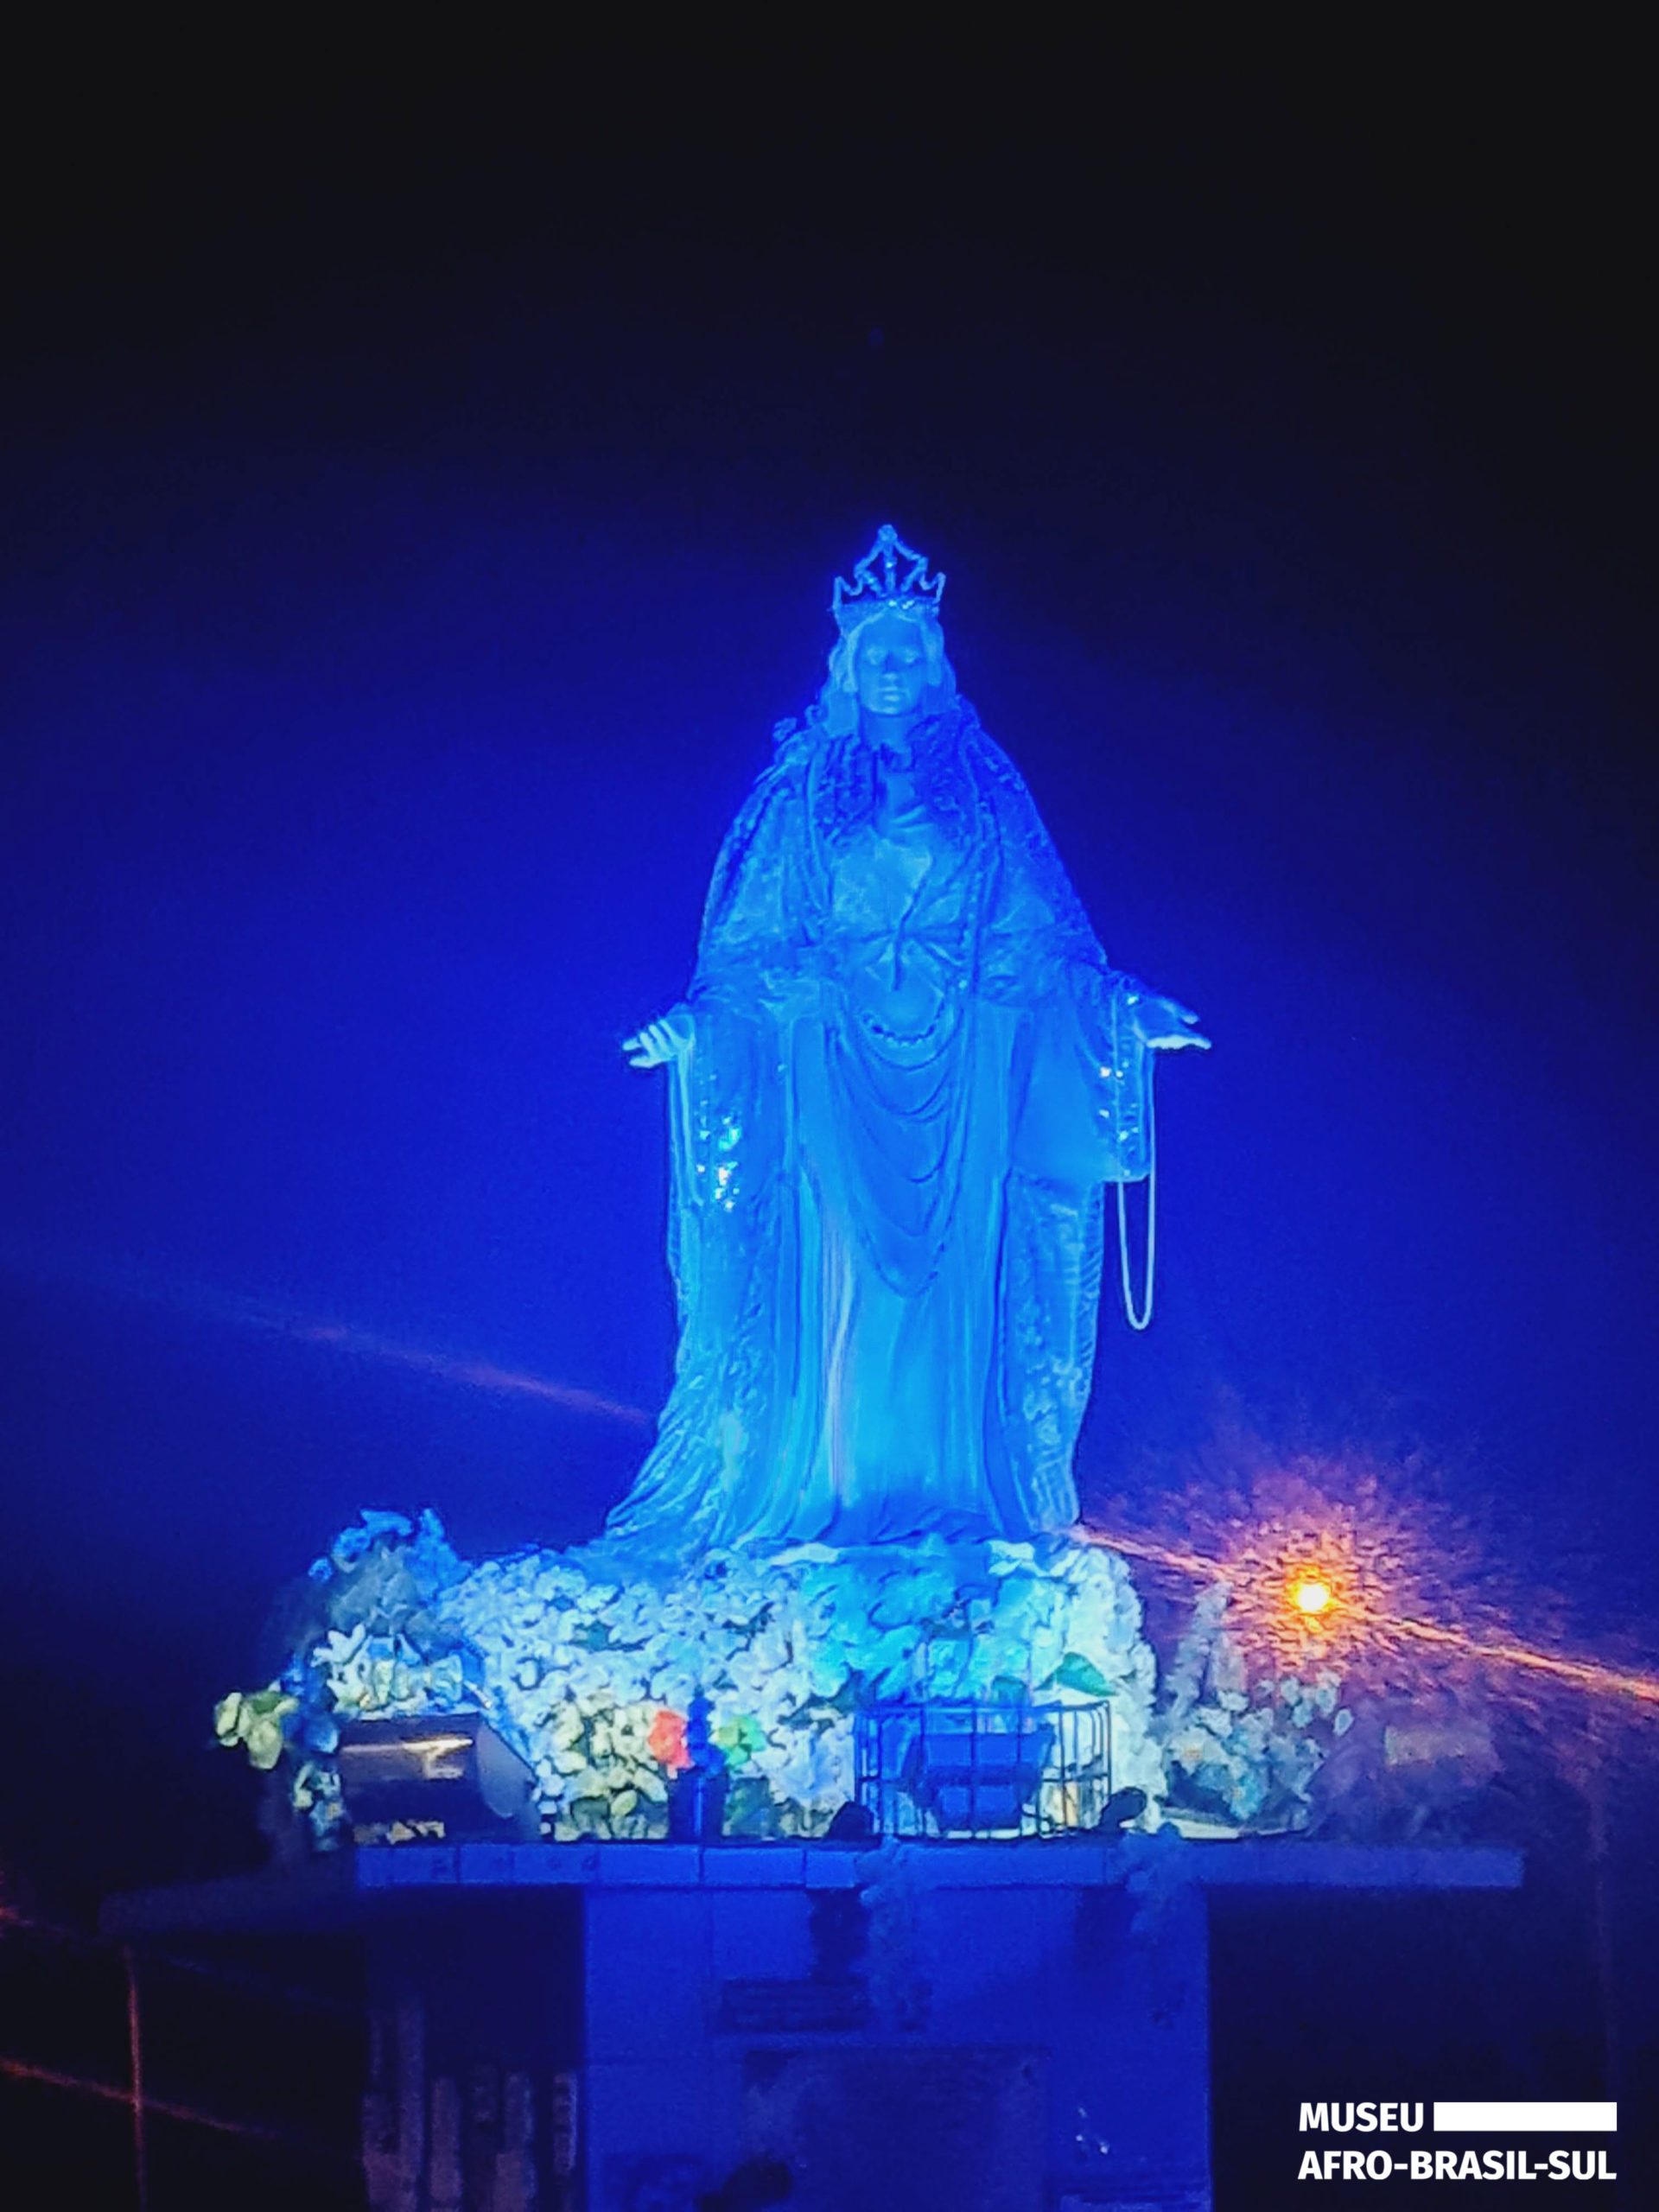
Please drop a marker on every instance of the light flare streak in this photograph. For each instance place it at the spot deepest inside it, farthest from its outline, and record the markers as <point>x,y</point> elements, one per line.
<point>200,1301</point>
<point>476,1374</point>
<point>1586,1675</point>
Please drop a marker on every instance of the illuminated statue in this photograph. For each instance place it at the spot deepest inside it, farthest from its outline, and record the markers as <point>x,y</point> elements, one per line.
<point>902,1077</point>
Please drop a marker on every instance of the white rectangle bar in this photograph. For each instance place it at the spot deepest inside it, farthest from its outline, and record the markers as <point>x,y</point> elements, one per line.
<point>1533,2118</point>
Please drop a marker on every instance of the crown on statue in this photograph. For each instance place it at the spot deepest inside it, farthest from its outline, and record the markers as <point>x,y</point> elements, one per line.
<point>892,578</point>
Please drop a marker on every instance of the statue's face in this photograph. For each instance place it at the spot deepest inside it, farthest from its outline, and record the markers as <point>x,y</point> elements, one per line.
<point>890,666</point>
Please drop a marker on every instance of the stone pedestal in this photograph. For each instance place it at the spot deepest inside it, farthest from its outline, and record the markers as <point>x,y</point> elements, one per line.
<point>932,2027</point>
<point>619,2027</point>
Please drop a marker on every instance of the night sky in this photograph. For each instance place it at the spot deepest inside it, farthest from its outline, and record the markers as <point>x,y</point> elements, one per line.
<point>423,479</point>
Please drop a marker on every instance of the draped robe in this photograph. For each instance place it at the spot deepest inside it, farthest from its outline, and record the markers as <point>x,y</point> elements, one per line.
<point>912,1072</point>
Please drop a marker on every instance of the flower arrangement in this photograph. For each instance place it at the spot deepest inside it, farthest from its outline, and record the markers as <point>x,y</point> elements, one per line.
<point>587,1663</point>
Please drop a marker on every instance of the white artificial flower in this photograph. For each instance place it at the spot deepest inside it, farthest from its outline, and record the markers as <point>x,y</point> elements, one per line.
<point>813,1770</point>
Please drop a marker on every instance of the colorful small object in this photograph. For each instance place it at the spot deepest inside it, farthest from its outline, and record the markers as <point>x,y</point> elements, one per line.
<point>666,1741</point>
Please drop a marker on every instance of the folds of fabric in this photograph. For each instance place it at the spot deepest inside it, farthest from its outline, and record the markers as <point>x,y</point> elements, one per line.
<point>911,1072</point>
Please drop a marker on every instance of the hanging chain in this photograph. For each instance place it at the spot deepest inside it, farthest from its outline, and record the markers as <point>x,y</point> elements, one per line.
<point>1141,1319</point>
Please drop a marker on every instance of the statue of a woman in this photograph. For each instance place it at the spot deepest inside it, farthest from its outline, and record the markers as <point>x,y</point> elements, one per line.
<point>902,1076</point>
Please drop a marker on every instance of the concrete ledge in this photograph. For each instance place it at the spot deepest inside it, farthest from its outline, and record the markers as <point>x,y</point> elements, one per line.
<point>630,1865</point>
<point>751,1866</point>
<point>319,1894</point>
<point>486,1865</point>
<point>335,1891</point>
<point>1031,1865</point>
<point>1358,1866</point>
<point>538,1865</point>
<point>412,1867</point>
<point>834,1867</point>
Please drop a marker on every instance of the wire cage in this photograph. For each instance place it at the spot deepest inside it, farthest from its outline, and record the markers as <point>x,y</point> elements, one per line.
<point>954,1767</point>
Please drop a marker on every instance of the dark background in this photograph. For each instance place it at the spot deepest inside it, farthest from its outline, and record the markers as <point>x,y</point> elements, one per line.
<point>425,468</point>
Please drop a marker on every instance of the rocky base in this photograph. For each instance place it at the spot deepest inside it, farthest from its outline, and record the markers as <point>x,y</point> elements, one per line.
<point>587,1663</point>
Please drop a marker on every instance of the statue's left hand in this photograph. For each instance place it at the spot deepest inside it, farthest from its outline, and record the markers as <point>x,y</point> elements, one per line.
<point>666,1038</point>
<point>1165,1023</point>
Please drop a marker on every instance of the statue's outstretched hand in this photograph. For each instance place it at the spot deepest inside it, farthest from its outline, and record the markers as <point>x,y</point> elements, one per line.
<point>1165,1023</point>
<point>669,1037</point>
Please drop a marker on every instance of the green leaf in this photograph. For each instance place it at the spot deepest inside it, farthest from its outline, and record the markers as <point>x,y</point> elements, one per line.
<point>1076,1673</point>
<point>264,1742</point>
<point>592,1816</point>
<point>749,1808</point>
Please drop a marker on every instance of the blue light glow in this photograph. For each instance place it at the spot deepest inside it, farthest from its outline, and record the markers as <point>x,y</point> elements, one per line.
<point>904,1073</point>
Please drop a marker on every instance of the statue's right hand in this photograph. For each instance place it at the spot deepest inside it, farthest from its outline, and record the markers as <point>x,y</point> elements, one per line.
<point>669,1037</point>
